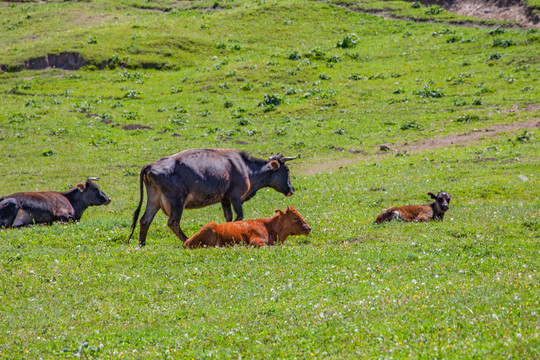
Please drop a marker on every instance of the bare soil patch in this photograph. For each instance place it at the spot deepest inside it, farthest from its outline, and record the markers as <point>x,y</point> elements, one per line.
<point>136,127</point>
<point>67,60</point>
<point>505,10</point>
<point>423,145</point>
<point>472,136</point>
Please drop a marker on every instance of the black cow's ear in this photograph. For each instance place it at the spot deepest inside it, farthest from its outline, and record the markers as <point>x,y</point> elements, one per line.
<point>274,164</point>
<point>81,187</point>
<point>433,196</point>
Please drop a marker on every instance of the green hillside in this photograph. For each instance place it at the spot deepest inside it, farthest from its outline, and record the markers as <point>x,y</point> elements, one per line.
<point>456,99</point>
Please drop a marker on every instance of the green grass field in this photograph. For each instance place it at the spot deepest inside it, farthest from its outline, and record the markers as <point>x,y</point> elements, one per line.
<point>459,106</point>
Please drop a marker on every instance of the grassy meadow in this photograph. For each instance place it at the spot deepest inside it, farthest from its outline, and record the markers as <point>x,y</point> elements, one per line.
<point>458,105</point>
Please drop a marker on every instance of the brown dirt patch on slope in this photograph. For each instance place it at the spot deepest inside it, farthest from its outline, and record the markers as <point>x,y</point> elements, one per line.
<point>506,10</point>
<point>424,145</point>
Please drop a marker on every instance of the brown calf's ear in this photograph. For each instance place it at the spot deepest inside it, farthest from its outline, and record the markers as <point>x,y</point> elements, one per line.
<point>81,186</point>
<point>279,211</point>
<point>274,164</point>
<point>432,195</point>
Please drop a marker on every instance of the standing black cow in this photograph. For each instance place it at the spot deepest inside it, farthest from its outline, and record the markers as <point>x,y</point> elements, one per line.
<point>197,178</point>
<point>46,207</point>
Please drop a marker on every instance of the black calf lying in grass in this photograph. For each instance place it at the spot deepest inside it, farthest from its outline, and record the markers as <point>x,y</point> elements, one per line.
<point>46,207</point>
<point>428,212</point>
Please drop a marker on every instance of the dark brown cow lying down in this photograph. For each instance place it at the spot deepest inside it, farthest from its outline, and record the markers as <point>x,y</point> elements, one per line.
<point>258,232</point>
<point>428,212</point>
<point>46,207</point>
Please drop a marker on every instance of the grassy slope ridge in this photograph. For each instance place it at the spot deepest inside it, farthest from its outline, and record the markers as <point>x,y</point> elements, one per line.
<point>462,288</point>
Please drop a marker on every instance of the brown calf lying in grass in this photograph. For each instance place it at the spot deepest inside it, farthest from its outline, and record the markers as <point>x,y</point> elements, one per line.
<point>258,232</point>
<point>428,212</point>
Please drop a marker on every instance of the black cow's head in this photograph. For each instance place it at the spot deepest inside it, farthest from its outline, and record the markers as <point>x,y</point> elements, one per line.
<point>92,194</point>
<point>442,200</point>
<point>280,179</point>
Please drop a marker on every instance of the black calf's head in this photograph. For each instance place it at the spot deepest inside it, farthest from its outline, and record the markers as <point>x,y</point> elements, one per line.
<point>92,194</point>
<point>442,200</point>
<point>280,179</point>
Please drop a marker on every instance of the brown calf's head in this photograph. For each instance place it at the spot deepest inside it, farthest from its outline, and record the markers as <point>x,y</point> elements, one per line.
<point>281,180</point>
<point>292,222</point>
<point>442,200</point>
<point>92,194</point>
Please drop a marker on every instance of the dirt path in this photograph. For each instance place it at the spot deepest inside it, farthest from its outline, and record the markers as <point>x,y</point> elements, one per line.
<point>422,145</point>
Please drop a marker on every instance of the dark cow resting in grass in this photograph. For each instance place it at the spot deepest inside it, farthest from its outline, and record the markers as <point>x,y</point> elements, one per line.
<point>197,178</point>
<point>433,211</point>
<point>258,232</point>
<point>46,207</point>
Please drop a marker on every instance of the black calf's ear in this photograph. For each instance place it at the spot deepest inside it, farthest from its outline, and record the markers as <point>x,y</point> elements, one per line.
<point>433,196</point>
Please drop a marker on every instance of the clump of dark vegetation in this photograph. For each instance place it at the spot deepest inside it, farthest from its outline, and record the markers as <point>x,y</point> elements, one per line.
<point>271,99</point>
<point>477,102</point>
<point>316,53</point>
<point>247,86</point>
<point>497,31</point>
<point>467,118</point>
<point>428,92</point>
<point>48,152</point>
<point>295,55</point>
<point>498,42</point>
<point>270,102</point>
<point>495,56</point>
<point>434,10</point>
<point>292,91</point>
<point>377,76</point>
<point>525,136</point>
<point>411,125</point>
<point>349,41</point>
<point>324,76</point>
<point>133,94</point>
<point>356,77</point>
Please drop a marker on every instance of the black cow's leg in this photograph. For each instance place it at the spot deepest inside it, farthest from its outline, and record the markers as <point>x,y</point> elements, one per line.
<point>237,206</point>
<point>8,212</point>
<point>146,220</point>
<point>174,219</point>
<point>226,205</point>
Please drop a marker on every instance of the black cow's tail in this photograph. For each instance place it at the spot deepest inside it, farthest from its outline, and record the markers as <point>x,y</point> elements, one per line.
<point>138,210</point>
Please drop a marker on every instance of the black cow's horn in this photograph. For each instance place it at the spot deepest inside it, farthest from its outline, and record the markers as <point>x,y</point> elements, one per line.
<point>283,159</point>
<point>275,157</point>
<point>92,178</point>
